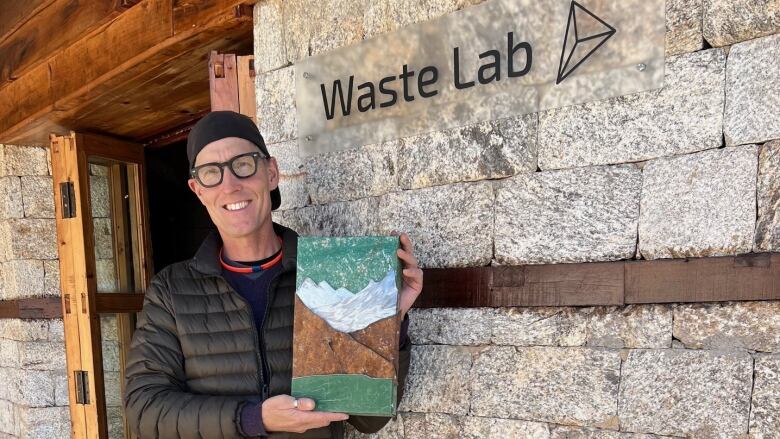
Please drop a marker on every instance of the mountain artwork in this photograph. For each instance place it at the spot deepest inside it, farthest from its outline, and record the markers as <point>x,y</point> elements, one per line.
<point>346,329</point>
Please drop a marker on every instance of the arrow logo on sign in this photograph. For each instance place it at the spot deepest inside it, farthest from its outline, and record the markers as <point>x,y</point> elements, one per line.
<point>578,48</point>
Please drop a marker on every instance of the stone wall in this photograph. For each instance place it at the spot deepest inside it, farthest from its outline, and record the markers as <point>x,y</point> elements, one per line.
<point>692,169</point>
<point>33,381</point>
<point>689,170</point>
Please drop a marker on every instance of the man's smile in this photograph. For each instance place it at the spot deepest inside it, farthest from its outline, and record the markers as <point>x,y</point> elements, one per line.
<point>237,205</point>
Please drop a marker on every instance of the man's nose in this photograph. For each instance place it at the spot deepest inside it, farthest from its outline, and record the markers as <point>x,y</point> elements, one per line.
<point>230,183</point>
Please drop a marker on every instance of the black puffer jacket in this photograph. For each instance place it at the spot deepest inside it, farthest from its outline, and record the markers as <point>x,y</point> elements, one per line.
<point>194,359</point>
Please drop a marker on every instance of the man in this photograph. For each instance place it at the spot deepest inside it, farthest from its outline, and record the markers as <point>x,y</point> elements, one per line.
<point>212,353</point>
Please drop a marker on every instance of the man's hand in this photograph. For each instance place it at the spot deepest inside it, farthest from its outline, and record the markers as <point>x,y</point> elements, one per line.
<point>280,414</point>
<point>412,275</point>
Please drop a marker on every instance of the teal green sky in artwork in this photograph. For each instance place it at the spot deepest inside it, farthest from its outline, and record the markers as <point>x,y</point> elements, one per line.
<point>347,262</point>
<point>352,394</point>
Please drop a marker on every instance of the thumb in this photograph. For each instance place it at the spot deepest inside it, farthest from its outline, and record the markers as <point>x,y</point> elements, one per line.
<point>306,404</point>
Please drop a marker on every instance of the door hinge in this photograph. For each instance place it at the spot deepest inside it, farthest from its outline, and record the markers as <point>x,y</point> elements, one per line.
<point>68,199</point>
<point>82,386</point>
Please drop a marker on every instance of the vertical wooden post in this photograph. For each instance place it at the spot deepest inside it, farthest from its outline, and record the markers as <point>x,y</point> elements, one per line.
<point>64,173</point>
<point>223,82</point>
<point>232,83</point>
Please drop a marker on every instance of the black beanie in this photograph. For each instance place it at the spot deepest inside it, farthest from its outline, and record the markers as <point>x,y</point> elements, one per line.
<point>221,124</point>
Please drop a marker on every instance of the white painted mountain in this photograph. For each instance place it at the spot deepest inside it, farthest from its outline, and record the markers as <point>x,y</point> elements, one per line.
<point>348,312</point>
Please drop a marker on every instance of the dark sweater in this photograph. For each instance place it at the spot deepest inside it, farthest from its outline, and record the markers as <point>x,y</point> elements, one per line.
<point>253,287</point>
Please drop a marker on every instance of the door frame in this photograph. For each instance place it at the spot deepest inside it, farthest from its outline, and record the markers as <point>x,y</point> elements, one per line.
<point>82,304</point>
<point>231,85</point>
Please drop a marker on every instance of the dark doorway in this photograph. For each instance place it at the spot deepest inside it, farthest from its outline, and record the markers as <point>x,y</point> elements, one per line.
<point>178,222</point>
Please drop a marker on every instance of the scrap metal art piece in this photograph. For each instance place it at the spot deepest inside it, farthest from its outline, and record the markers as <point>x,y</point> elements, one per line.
<point>345,339</point>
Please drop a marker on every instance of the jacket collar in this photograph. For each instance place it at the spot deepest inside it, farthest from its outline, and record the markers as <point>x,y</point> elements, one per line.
<point>206,259</point>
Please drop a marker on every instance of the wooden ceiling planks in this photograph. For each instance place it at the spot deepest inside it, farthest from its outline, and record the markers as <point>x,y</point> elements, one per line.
<point>185,83</point>
<point>56,26</point>
<point>131,79</point>
<point>97,58</point>
<point>17,13</point>
<point>189,14</point>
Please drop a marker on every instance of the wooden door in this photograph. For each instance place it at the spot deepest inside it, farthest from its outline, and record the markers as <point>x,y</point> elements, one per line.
<point>105,265</point>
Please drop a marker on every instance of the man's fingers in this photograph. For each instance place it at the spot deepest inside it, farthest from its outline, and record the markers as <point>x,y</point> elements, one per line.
<point>413,275</point>
<point>306,404</point>
<point>406,243</point>
<point>320,419</point>
<point>407,257</point>
<point>327,417</point>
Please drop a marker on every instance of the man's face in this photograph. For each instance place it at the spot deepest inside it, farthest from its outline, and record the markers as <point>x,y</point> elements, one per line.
<point>237,206</point>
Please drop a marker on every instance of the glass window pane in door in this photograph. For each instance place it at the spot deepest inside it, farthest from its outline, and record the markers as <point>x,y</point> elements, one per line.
<point>116,332</point>
<point>113,199</point>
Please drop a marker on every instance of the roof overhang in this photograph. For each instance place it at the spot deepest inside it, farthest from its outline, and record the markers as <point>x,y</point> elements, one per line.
<point>132,69</point>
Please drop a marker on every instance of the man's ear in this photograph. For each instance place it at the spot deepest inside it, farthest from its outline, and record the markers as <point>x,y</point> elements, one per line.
<point>273,173</point>
<point>195,188</point>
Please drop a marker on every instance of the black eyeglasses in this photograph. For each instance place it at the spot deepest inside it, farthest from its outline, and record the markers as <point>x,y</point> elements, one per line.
<point>242,166</point>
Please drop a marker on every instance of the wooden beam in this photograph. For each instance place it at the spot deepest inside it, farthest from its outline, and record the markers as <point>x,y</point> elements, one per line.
<point>31,308</point>
<point>73,71</point>
<point>190,14</point>
<point>728,278</point>
<point>247,102</point>
<point>223,82</point>
<point>456,287</point>
<point>17,13</point>
<point>177,134</point>
<point>113,303</point>
<point>98,67</point>
<point>91,61</point>
<point>597,283</point>
<point>232,83</point>
<point>25,103</point>
<point>63,171</point>
<point>745,277</point>
<point>58,25</point>
<point>168,95</point>
<point>95,145</point>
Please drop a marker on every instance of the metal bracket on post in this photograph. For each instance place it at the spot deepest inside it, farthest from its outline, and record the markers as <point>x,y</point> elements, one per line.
<point>82,386</point>
<point>68,199</point>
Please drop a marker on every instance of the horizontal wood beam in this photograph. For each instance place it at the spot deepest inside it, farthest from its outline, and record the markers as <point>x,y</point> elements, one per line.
<point>16,13</point>
<point>712,279</point>
<point>51,96</point>
<point>58,25</point>
<point>189,14</point>
<point>113,303</point>
<point>31,308</point>
<point>51,307</point>
<point>456,287</point>
<point>746,277</point>
<point>177,134</point>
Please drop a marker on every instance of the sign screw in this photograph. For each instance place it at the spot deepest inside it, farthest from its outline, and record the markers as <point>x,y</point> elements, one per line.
<point>309,138</point>
<point>641,67</point>
<point>307,75</point>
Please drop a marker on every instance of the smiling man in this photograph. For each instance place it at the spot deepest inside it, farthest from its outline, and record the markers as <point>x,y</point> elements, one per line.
<point>212,353</point>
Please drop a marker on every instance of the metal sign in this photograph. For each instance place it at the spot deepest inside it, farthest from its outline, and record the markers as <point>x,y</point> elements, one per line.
<point>499,59</point>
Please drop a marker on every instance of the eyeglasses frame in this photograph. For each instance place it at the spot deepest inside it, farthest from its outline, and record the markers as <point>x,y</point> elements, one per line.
<point>257,155</point>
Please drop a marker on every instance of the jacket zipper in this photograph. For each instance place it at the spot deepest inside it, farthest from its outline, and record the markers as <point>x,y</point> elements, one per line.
<point>260,341</point>
<point>263,358</point>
